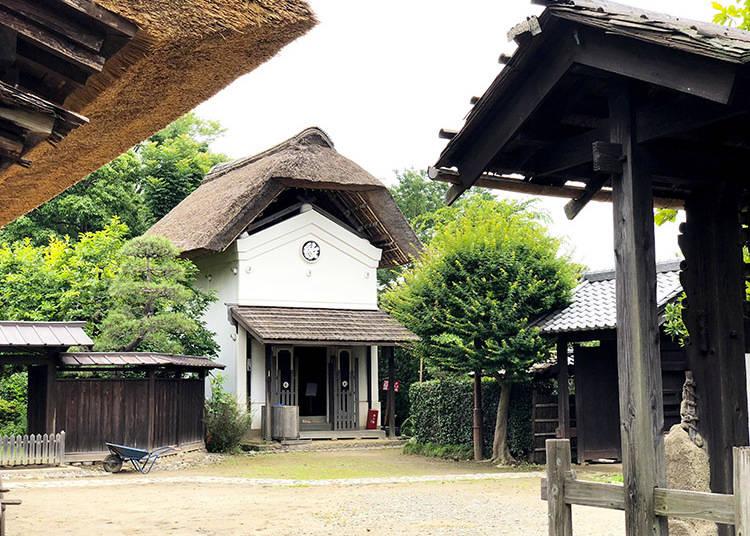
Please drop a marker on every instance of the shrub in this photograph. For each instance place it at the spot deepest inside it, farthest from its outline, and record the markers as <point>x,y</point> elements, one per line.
<point>13,403</point>
<point>441,414</point>
<point>226,424</point>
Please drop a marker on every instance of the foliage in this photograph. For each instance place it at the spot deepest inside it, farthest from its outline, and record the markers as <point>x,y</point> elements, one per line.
<point>225,423</point>
<point>138,187</point>
<point>736,14</point>
<point>434,450</point>
<point>416,196</point>
<point>489,269</point>
<point>407,373</point>
<point>673,323</point>
<point>13,402</point>
<point>441,414</point>
<point>665,215</point>
<point>62,280</point>
<point>154,303</point>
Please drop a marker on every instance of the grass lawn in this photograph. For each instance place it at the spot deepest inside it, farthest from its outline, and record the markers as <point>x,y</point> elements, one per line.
<point>341,464</point>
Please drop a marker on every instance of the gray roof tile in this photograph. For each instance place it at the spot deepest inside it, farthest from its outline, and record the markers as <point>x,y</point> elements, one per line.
<point>594,301</point>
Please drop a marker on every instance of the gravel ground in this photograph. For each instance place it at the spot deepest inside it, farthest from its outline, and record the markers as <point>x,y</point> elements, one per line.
<point>489,504</point>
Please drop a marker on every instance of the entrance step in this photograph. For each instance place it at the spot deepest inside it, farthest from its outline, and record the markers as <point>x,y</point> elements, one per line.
<point>342,434</point>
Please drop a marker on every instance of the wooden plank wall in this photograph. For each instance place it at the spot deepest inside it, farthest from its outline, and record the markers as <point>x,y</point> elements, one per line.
<point>95,411</point>
<point>545,423</point>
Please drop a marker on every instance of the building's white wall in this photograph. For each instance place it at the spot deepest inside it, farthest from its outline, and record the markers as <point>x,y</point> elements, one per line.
<point>747,376</point>
<point>360,353</point>
<point>217,273</point>
<point>375,381</point>
<point>257,381</point>
<point>273,271</point>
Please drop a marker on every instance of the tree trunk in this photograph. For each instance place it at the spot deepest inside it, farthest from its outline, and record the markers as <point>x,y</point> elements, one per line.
<point>500,449</point>
<point>477,415</point>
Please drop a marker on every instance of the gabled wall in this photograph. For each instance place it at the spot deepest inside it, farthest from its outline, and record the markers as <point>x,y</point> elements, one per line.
<point>273,271</point>
<point>267,268</point>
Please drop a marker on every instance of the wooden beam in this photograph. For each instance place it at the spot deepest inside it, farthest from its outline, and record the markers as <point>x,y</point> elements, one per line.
<point>58,46</point>
<point>34,122</point>
<point>501,125</point>
<point>687,73</point>
<point>112,21</point>
<point>638,358</point>
<point>741,477</point>
<point>64,26</point>
<point>574,206</point>
<point>269,398</point>
<point>522,186</point>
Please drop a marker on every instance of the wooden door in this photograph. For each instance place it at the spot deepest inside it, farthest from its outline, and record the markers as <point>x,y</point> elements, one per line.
<point>284,377</point>
<point>345,386</point>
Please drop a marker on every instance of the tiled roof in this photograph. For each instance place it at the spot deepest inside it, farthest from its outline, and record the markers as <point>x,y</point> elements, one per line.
<point>43,334</point>
<point>594,301</point>
<point>339,326</point>
<point>135,359</point>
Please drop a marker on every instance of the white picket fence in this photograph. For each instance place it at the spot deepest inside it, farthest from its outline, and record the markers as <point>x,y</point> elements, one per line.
<point>39,449</point>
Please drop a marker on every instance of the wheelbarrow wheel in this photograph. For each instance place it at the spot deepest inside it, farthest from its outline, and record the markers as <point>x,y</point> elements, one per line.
<point>112,463</point>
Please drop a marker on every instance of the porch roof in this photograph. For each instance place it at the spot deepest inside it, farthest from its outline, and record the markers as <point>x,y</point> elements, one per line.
<point>15,334</point>
<point>340,327</point>
<point>136,359</point>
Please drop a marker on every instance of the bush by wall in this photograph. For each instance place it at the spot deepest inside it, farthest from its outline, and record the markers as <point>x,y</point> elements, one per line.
<point>225,423</point>
<point>13,402</point>
<point>441,413</point>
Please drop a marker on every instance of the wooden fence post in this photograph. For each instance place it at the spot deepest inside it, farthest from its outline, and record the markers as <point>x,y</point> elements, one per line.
<point>560,517</point>
<point>742,491</point>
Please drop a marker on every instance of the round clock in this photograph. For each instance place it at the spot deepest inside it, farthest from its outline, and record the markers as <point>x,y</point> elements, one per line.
<point>311,251</point>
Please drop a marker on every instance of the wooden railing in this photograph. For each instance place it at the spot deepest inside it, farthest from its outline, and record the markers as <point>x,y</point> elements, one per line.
<point>40,449</point>
<point>561,490</point>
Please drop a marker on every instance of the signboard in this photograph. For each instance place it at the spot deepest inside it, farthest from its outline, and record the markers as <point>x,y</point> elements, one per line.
<point>396,386</point>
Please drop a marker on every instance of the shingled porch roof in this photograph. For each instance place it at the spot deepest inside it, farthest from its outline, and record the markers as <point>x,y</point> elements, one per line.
<point>338,327</point>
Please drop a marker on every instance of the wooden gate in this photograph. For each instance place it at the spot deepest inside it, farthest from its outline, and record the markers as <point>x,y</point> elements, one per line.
<point>344,378</point>
<point>284,379</point>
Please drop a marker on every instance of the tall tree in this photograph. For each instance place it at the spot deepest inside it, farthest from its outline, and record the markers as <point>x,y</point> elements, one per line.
<point>155,306</point>
<point>138,187</point>
<point>489,269</point>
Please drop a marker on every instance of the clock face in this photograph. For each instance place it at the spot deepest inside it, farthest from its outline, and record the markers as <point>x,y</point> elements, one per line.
<point>311,251</point>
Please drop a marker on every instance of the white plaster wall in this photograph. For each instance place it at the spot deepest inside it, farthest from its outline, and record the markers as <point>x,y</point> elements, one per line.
<point>360,353</point>
<point>216,274</point>
<point>747,375</point>
<point>273,271</point>
<point>257,382</point>
<point>375,381</point>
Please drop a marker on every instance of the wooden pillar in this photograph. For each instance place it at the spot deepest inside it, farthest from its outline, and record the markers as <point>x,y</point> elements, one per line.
<point>713,279</point>
<point>638,362</point>
<point>151,409</point>
<point>51,396</point>
<point>477,417</point>
<point>391,403</point>
<point>269,398</point>
<point>563,390</point>
<point>741,476</point>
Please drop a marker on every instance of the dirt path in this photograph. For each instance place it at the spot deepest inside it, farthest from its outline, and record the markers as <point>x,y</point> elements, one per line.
<point>498,506</point>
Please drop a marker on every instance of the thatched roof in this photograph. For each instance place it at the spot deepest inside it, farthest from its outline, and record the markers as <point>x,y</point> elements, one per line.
<point>236,194</point>
<point>181,53</point>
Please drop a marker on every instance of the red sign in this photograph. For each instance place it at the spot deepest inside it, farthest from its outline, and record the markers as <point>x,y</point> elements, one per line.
<point>372,419</point>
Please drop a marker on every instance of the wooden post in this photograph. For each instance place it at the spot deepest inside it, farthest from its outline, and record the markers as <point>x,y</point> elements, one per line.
<point>741,477</point>
<point>714,284</point>
<point>51,396</point>
<point>477,417</point>
<point>560,514</point>
<point>388,350</point>
<point>151,409</point>
<point>563,390</point>
<point>638,360</point>
<point>268,412</point>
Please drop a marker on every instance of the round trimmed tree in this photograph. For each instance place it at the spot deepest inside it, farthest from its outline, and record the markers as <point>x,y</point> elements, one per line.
<point>490,269</point>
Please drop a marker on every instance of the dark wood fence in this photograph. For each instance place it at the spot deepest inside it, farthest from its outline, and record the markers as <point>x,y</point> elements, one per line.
<point>545,421</point>
<point>136,412</point>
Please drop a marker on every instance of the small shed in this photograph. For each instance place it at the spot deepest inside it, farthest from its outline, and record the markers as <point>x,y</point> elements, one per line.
<point>135,398</point>
<point>586,367</point>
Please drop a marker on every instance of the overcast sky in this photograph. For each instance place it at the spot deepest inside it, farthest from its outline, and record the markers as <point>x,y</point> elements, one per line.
<point>381,77</point>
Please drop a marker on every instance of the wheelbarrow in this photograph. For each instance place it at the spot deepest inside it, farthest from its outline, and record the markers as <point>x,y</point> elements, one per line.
<point>141,460</point>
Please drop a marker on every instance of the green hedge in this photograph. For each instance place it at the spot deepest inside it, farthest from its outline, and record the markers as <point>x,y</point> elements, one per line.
<point>441,413</point>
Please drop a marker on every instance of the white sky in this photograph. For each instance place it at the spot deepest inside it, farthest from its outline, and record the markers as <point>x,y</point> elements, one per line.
<point>381,77</point>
